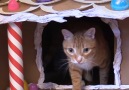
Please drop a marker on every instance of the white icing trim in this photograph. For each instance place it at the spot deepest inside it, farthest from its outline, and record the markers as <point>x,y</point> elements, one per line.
<point>118,57</point>
<point>84,6</point>
<point>37,42</point>
<point>89,87</point>
<point>48,9</point>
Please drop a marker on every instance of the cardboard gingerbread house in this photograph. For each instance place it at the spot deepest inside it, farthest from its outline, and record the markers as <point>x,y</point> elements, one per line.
<point>36,18</point>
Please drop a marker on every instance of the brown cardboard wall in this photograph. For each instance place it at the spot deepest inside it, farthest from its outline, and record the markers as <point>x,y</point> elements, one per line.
<point>31,73</point>
<point>124,27</point>
<point>29,53</point>
<point>3,58</point>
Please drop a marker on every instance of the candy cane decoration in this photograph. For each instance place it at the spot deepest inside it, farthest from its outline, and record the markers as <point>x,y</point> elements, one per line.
<point>15,53</point>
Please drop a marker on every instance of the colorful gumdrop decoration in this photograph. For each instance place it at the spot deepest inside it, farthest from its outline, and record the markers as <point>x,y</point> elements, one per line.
<point>119,4</point>
<point>13,5</point>
<point>33,86</point>
<point>40,1</point>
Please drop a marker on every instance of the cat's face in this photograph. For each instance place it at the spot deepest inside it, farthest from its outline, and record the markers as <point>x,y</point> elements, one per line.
<point>79,47</point>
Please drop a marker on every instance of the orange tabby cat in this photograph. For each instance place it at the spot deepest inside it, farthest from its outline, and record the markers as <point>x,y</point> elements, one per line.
<point>85,50</point>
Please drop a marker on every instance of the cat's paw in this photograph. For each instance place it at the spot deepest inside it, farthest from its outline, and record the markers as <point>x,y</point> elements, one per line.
<point>79,87</point>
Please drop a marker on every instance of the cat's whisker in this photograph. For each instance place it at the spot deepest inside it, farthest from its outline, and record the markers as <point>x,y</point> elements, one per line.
<point>65,71</point>
<point>63,61</point>
<point>63,65</point>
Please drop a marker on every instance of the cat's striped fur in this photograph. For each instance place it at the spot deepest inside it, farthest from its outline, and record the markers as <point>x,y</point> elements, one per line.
<point>85,50</point>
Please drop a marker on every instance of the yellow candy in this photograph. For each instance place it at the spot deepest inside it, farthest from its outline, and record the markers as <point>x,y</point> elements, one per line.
<point>25,85</point>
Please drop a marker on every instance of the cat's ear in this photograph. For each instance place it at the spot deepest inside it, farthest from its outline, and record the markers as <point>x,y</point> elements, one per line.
<point>67,34</point>
<point>90,33</point>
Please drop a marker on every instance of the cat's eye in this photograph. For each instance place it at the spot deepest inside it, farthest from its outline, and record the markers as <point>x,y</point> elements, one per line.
<point>85,50</point>
<point>71,50</point>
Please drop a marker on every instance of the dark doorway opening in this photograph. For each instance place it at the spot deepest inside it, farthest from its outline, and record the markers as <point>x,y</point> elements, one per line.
<point>54,59</point>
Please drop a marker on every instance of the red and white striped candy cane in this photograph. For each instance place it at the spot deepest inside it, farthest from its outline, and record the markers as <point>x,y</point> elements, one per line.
<point>15,53</point>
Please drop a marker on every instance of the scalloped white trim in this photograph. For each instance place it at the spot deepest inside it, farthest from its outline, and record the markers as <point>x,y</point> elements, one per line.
<point>96,11</point>
<point>48,9</point>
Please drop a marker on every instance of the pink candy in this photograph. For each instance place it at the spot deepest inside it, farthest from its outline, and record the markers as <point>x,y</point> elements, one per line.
<point>33,86</point>
<point>13,5</point>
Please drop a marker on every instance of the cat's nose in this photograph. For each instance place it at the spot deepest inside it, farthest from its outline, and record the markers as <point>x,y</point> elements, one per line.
<point>79,59</point>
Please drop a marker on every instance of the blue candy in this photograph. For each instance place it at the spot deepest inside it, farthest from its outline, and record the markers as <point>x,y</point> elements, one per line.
<point>119,4</point>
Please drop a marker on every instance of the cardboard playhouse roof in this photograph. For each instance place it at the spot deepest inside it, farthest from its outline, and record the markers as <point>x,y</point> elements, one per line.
<point>57,9</point>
